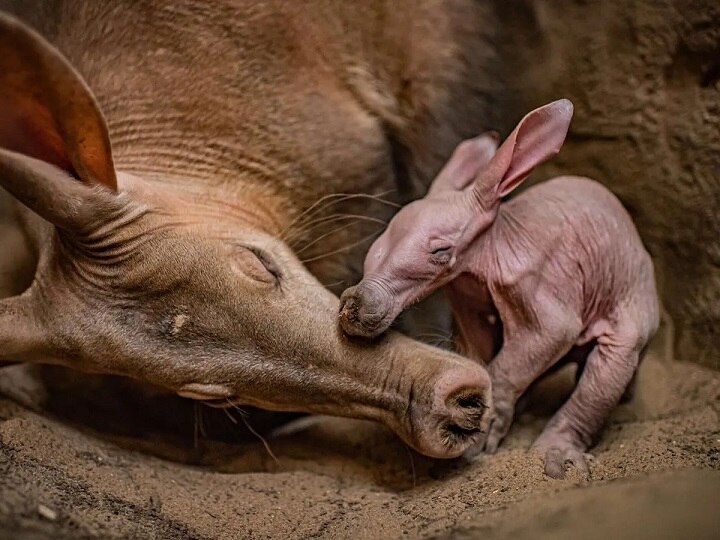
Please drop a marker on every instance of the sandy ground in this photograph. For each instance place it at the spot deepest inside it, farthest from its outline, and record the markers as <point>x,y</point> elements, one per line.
<point>657,475</point>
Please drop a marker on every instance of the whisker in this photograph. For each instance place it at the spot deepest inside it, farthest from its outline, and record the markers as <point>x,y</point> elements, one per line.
<point>438,329</point>
<point>323,286</point>
<point>432,335</point>
<point>314,208</point>
<point>323,236</point>
<point>307,227</point>
<point>334,284</point>
<point>343,215</point>
<point>412,466</point>
<point>203,433</point>
<point>196,433</point>
<point>243,417</point>
<point>340,250</point>
<point>437,339</point>
<point>308,210</point>
<point>338,198</point>
<point>230,416</point>
<point>262,439</point>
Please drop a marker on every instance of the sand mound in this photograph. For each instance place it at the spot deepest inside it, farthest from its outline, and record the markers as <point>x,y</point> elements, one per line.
<point>337,478</point>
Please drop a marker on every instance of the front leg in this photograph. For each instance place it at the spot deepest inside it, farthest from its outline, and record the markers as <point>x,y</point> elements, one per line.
<point>526,354</point>
<point>535,336</point>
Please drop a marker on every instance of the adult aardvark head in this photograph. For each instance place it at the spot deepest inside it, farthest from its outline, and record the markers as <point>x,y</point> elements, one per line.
<point>137,279</point>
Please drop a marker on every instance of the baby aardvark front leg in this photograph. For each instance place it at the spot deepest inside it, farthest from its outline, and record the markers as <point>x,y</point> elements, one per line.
<point>608,371</point>
<point>527,352</point>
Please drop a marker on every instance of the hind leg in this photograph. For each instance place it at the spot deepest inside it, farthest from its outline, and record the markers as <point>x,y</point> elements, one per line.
<point>629,392</point>
<point>609,369</point>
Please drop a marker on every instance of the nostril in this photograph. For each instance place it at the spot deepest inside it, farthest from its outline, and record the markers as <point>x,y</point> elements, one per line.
<point>469,410</point>
<point>459,432</point>
<point>462,397</point>
<point>457,412</point>
<point>349,308</point>
<point>471,401</point>
<point>347,298</point>
<point>465,388</point>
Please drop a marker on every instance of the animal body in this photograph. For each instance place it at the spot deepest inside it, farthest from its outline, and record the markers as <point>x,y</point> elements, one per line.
<point>562,265</point>
<point>172,164</point>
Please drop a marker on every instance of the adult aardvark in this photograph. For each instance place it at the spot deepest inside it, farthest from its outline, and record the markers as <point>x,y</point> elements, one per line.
<point>162,154</point>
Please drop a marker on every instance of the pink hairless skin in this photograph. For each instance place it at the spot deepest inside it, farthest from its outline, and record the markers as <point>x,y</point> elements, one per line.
<point>562,265</point>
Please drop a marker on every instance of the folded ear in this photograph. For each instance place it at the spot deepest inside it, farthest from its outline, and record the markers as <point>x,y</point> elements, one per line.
<point>467,161</point>
<point>47,111</point>
<point>537,138</point>
<point>53,194</point>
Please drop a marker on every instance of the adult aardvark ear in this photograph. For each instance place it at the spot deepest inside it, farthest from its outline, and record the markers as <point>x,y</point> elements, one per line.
<point>52,132</point>
<point>467,161</point>
<point>537,138</point>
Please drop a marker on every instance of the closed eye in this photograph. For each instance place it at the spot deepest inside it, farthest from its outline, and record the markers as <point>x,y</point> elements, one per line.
<point>256,263</point>
<point>441,255</point>
<point>267,262</point>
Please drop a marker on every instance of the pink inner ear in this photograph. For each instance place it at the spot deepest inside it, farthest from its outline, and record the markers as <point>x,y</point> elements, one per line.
<point>47,111</point>
<point>538,137</point>
<point>467,160</point>
<point>28,128</point>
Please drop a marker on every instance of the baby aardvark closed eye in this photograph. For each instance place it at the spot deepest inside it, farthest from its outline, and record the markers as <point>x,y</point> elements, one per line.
<point>441,255</point>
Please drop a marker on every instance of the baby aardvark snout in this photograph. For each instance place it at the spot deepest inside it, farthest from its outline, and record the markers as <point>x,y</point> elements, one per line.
<point>459,412</point>
<point>364,310</point>
<point>449,396</point>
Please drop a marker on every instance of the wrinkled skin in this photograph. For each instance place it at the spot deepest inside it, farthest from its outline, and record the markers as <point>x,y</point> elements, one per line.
<point>159,240</point>
<point>562,266</point>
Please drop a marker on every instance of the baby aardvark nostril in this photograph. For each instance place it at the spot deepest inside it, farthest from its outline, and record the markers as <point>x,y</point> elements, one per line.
<point>362,310</point>
<point>349,304</point>
<point>349,309</point>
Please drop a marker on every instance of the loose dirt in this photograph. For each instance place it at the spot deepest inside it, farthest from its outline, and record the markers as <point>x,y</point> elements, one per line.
<point>657,474</point>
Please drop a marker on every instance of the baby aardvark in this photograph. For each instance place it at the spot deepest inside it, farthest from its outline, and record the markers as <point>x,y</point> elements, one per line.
<point>561,264</point>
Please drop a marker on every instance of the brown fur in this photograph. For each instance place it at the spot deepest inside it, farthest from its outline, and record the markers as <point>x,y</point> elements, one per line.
<point>228,121</point>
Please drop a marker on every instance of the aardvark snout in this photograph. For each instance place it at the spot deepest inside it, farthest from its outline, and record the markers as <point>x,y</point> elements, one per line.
<point>364,310</point>
<point>459,412</point>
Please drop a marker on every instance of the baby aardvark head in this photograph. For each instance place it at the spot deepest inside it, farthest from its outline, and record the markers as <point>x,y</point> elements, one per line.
<point>432,240</point>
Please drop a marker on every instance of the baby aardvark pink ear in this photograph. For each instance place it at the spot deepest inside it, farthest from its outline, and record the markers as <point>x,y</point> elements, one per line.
<point>537,138</point>
<point>468,159</point>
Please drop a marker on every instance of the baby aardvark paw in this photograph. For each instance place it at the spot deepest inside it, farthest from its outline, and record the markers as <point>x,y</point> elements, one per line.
<point>499,425</point>
<point>498,429</point>
<point>559,454</point>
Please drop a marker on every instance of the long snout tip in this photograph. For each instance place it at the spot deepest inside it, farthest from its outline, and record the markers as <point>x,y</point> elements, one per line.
<point>348,314</point>
<point>361,317</point>
<point>462,403</point>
